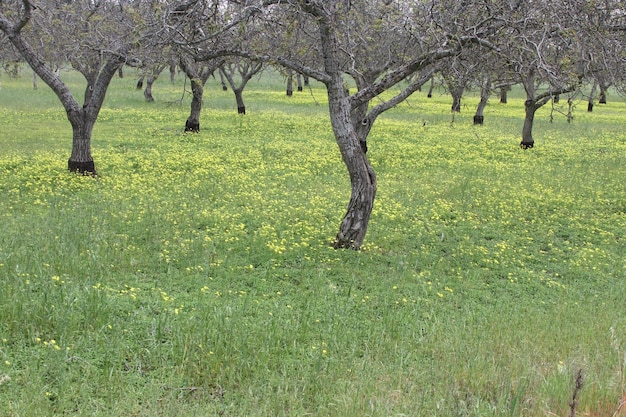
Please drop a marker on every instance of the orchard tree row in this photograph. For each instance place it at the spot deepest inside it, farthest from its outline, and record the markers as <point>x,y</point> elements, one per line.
<point>549,47</point>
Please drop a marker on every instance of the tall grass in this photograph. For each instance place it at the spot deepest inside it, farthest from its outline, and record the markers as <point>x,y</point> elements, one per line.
<point>194,275</point>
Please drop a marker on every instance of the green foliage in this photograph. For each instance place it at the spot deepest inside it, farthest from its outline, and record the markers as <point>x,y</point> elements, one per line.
<point>194,275</point>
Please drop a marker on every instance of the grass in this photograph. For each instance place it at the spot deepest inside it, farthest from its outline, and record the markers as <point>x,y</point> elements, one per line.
<point>194,275</point>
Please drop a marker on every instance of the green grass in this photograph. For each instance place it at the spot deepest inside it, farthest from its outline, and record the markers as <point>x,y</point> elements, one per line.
<point>194,277</point>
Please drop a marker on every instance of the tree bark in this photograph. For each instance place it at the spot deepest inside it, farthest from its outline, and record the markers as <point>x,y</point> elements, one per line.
<point>457,94</point>
<point>289,83</point>
<point>147,92</point>
<point>224,87</point>
<point>527,131</point>
<point>193,121</point>
<point>172,73</point>
<point>81,160</point>
<point>362,176</point>
<point>503,95</point>
<point>299,82</point>
<point>485,92</point>
<point>602,99</point>
<point>241,107</point>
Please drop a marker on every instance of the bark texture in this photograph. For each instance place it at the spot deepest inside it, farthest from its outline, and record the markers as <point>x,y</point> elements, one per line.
<point>527,131</point>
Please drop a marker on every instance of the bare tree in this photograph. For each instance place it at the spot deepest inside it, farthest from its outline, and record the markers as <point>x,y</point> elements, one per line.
<point>238,72</point>
<point>95,37</point>
<point>544,47</point>
<point>198,74</point>
<point>377,44</point>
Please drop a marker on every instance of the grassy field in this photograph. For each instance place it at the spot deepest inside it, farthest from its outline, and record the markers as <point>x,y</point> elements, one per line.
<point>194,276</point>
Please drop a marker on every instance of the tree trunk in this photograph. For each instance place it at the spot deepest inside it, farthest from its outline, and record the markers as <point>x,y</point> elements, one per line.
<point>120,72</point>
<point>431,88</point>
<point>503,95</point>
<point>224,87</point>
<point>81,160</point>
<point>193,121</point>
<point>241,107</point>
<point>140,82</point>
<point>147,93</point>
<point>527,131</point>
<point>602,99</point>
<point>456,104</point>
<point>592,96</point>
<point>457,93</point>
<point>172,73</point>
<point>479,117</point>
<point>485,92</point>
<point>299,82</point>
<point>289,83</point>
<point>362,177</point>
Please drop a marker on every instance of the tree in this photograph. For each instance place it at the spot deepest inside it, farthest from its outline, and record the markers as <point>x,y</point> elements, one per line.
<point>198,74</point>
<point>245,70</point>
<point>544,46</point>
<point>202,27</point>
<point>95,37</point>
<point>378,44</point>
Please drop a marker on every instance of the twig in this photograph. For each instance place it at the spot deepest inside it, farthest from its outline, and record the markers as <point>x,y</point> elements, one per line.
<point>621,404</point>
<point>577,387</point>
<point>190,389</point>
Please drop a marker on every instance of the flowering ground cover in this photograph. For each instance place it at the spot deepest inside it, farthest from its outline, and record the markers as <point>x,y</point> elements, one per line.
<point>194,275</point>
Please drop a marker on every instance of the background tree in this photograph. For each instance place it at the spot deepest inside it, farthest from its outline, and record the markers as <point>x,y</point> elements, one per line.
<point>198,74</point>
<point>202,27</point>
<point>543,47</point>
<point>96,38</point>
<point>238,72</point>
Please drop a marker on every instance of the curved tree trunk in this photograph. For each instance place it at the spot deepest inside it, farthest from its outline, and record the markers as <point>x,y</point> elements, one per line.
<point>479,117</point>
<point>241,107</point>
<point>198,74</point>
<point>457,93</point>
<point>362,176</point>
<point>485,92</point>
<point>431,88</point>
<point>147,92</point>
<point>527,131</point>
<point>224,87</point>
<point>193,121</point>
<point>363,182</point>
<point>602,99</point>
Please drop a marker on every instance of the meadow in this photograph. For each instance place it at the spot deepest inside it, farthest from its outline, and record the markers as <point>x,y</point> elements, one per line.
<point>194,277</point>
